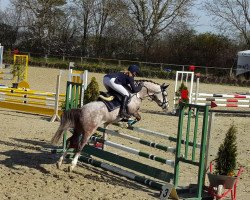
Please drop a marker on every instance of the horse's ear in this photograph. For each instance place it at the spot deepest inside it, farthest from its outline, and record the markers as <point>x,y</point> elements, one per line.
<point>164,86</point>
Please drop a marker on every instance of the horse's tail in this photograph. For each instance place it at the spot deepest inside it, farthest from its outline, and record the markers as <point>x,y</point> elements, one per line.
<point>68,120</point>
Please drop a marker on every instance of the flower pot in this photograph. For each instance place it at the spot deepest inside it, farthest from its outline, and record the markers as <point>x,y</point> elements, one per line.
<point>14,85</point>
<point>216,179</point>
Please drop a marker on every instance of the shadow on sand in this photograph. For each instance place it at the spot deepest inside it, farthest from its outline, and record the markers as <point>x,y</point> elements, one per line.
<point>21,156</point>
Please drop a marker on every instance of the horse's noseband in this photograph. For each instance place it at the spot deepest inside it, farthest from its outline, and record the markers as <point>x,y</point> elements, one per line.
<point>153,97</point>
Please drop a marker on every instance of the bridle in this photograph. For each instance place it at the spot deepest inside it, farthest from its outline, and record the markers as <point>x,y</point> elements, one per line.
<point>152,96</point>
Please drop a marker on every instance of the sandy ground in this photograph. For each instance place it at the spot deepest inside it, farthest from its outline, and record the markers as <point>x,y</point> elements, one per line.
<point>29,172</point>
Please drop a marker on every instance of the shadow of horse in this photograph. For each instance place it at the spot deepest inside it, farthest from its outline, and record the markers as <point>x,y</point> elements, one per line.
<point>36,160</point>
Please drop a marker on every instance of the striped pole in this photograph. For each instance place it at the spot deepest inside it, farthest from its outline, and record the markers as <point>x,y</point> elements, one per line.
<point>27,102</point>
<point>27,96</point>
<point>161,135</point>
<point>26,91</point>
<point>164,188</point>
<point>133,151</point>
<point>138,140</point>
<point>225,100</point>
<point>225,105</point>
<point>238,96</point>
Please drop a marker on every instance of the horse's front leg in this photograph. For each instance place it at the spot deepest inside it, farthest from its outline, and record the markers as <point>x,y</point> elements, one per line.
<point>137,116</point>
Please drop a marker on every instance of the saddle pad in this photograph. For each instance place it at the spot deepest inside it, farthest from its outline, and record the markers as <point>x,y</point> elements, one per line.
<point>111,105</point>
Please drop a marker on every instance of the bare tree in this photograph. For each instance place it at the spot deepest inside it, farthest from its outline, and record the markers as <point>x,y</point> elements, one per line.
<point>105,13</point>
<point>231,16</point>
<point>153,16</point>
<point>84,12</point>
<point>40,19</point>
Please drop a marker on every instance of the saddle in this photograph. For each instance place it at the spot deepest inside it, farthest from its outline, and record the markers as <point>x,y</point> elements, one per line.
<point>111,99</point>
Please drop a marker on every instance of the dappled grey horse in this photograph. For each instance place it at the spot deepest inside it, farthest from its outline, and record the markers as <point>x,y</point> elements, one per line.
<point>88,118</point>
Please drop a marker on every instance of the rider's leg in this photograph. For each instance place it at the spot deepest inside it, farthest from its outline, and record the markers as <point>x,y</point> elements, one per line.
<point>107,85</point>
<point>123,110</point>
<point>119,88</point>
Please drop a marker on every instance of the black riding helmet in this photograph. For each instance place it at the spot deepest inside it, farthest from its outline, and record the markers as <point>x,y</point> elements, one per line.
<point>134,69</point>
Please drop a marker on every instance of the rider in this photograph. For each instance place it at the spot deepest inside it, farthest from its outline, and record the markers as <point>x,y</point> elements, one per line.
<point>117,81</point>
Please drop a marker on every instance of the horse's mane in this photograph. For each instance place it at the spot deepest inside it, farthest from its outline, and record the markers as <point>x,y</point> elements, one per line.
<point>144,80</point>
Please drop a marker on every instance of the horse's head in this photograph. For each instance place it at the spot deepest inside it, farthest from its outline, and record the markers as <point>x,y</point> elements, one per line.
<point>157,93</point>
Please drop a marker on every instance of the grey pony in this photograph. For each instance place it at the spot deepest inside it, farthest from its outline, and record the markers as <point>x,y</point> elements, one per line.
<point>88,118</point>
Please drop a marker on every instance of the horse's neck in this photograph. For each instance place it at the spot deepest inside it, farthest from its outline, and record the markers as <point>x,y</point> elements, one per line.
<point>143,93</point>
<point>148,89</point>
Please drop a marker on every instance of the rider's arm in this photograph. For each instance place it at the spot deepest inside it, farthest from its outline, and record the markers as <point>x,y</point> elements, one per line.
<point>132,85</point>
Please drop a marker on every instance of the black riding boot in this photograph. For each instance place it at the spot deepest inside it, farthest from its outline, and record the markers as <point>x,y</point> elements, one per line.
<point>123,110</point>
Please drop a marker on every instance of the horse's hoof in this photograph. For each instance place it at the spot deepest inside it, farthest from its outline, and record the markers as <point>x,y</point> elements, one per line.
<point>70,168</point>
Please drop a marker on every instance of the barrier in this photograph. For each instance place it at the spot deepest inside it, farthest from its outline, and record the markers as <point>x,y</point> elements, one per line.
<point>1,56</point>
<point>39,102</point>
<point>23,62</point>
<point>194,147</point>
<point>30,101</point>
<point>232,100</point>
<point>77,77</point>
<point>182,77</point>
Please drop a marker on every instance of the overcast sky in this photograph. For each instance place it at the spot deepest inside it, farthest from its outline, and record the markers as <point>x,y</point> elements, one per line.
<point>202,25</point>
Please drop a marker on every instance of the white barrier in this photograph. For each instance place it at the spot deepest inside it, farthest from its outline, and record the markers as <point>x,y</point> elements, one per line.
<point>1,56</point>
<point>188,79</point>
<point>232,100</point>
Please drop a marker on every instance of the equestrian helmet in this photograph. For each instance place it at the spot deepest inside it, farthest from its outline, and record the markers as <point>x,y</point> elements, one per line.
<point>134,69</point>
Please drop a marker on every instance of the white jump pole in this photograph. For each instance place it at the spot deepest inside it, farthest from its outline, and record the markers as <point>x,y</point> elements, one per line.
<point>58,84</point>
<point>1,56</point>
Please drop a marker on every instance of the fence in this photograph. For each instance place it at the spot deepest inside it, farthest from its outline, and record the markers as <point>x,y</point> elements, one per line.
<point>45,58</point>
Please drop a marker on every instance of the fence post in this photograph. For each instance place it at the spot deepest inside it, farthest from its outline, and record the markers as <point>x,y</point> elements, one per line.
<point>161,66</point>
<point>46,58</point>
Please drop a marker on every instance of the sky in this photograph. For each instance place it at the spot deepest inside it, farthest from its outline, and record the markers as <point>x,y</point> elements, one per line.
<point>202,25</point>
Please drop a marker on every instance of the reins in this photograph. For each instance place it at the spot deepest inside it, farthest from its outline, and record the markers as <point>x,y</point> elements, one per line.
<point>152,96</point>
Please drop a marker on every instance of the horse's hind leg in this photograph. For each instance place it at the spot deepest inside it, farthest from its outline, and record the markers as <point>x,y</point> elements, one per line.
<point>83,142</point>
<point>60,161</point>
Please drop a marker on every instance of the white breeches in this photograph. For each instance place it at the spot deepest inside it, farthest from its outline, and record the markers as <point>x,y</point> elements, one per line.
<point>110,83</point>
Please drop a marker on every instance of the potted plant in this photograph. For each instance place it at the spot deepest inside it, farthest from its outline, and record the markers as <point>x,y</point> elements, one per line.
<point>182,96</point>
<point>225,162</point>
<point>18,72</point>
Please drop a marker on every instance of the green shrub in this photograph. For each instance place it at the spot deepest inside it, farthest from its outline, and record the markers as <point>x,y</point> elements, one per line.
<point>92,91</point>
<point>225,162</point>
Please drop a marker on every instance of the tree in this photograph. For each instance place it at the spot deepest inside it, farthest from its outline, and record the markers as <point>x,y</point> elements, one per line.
<point>153,16</point>
<point>105,12</point>
<point>232,16</point>
<point>40,19</point>
<point>227,153</point>
<point>84,12</point>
